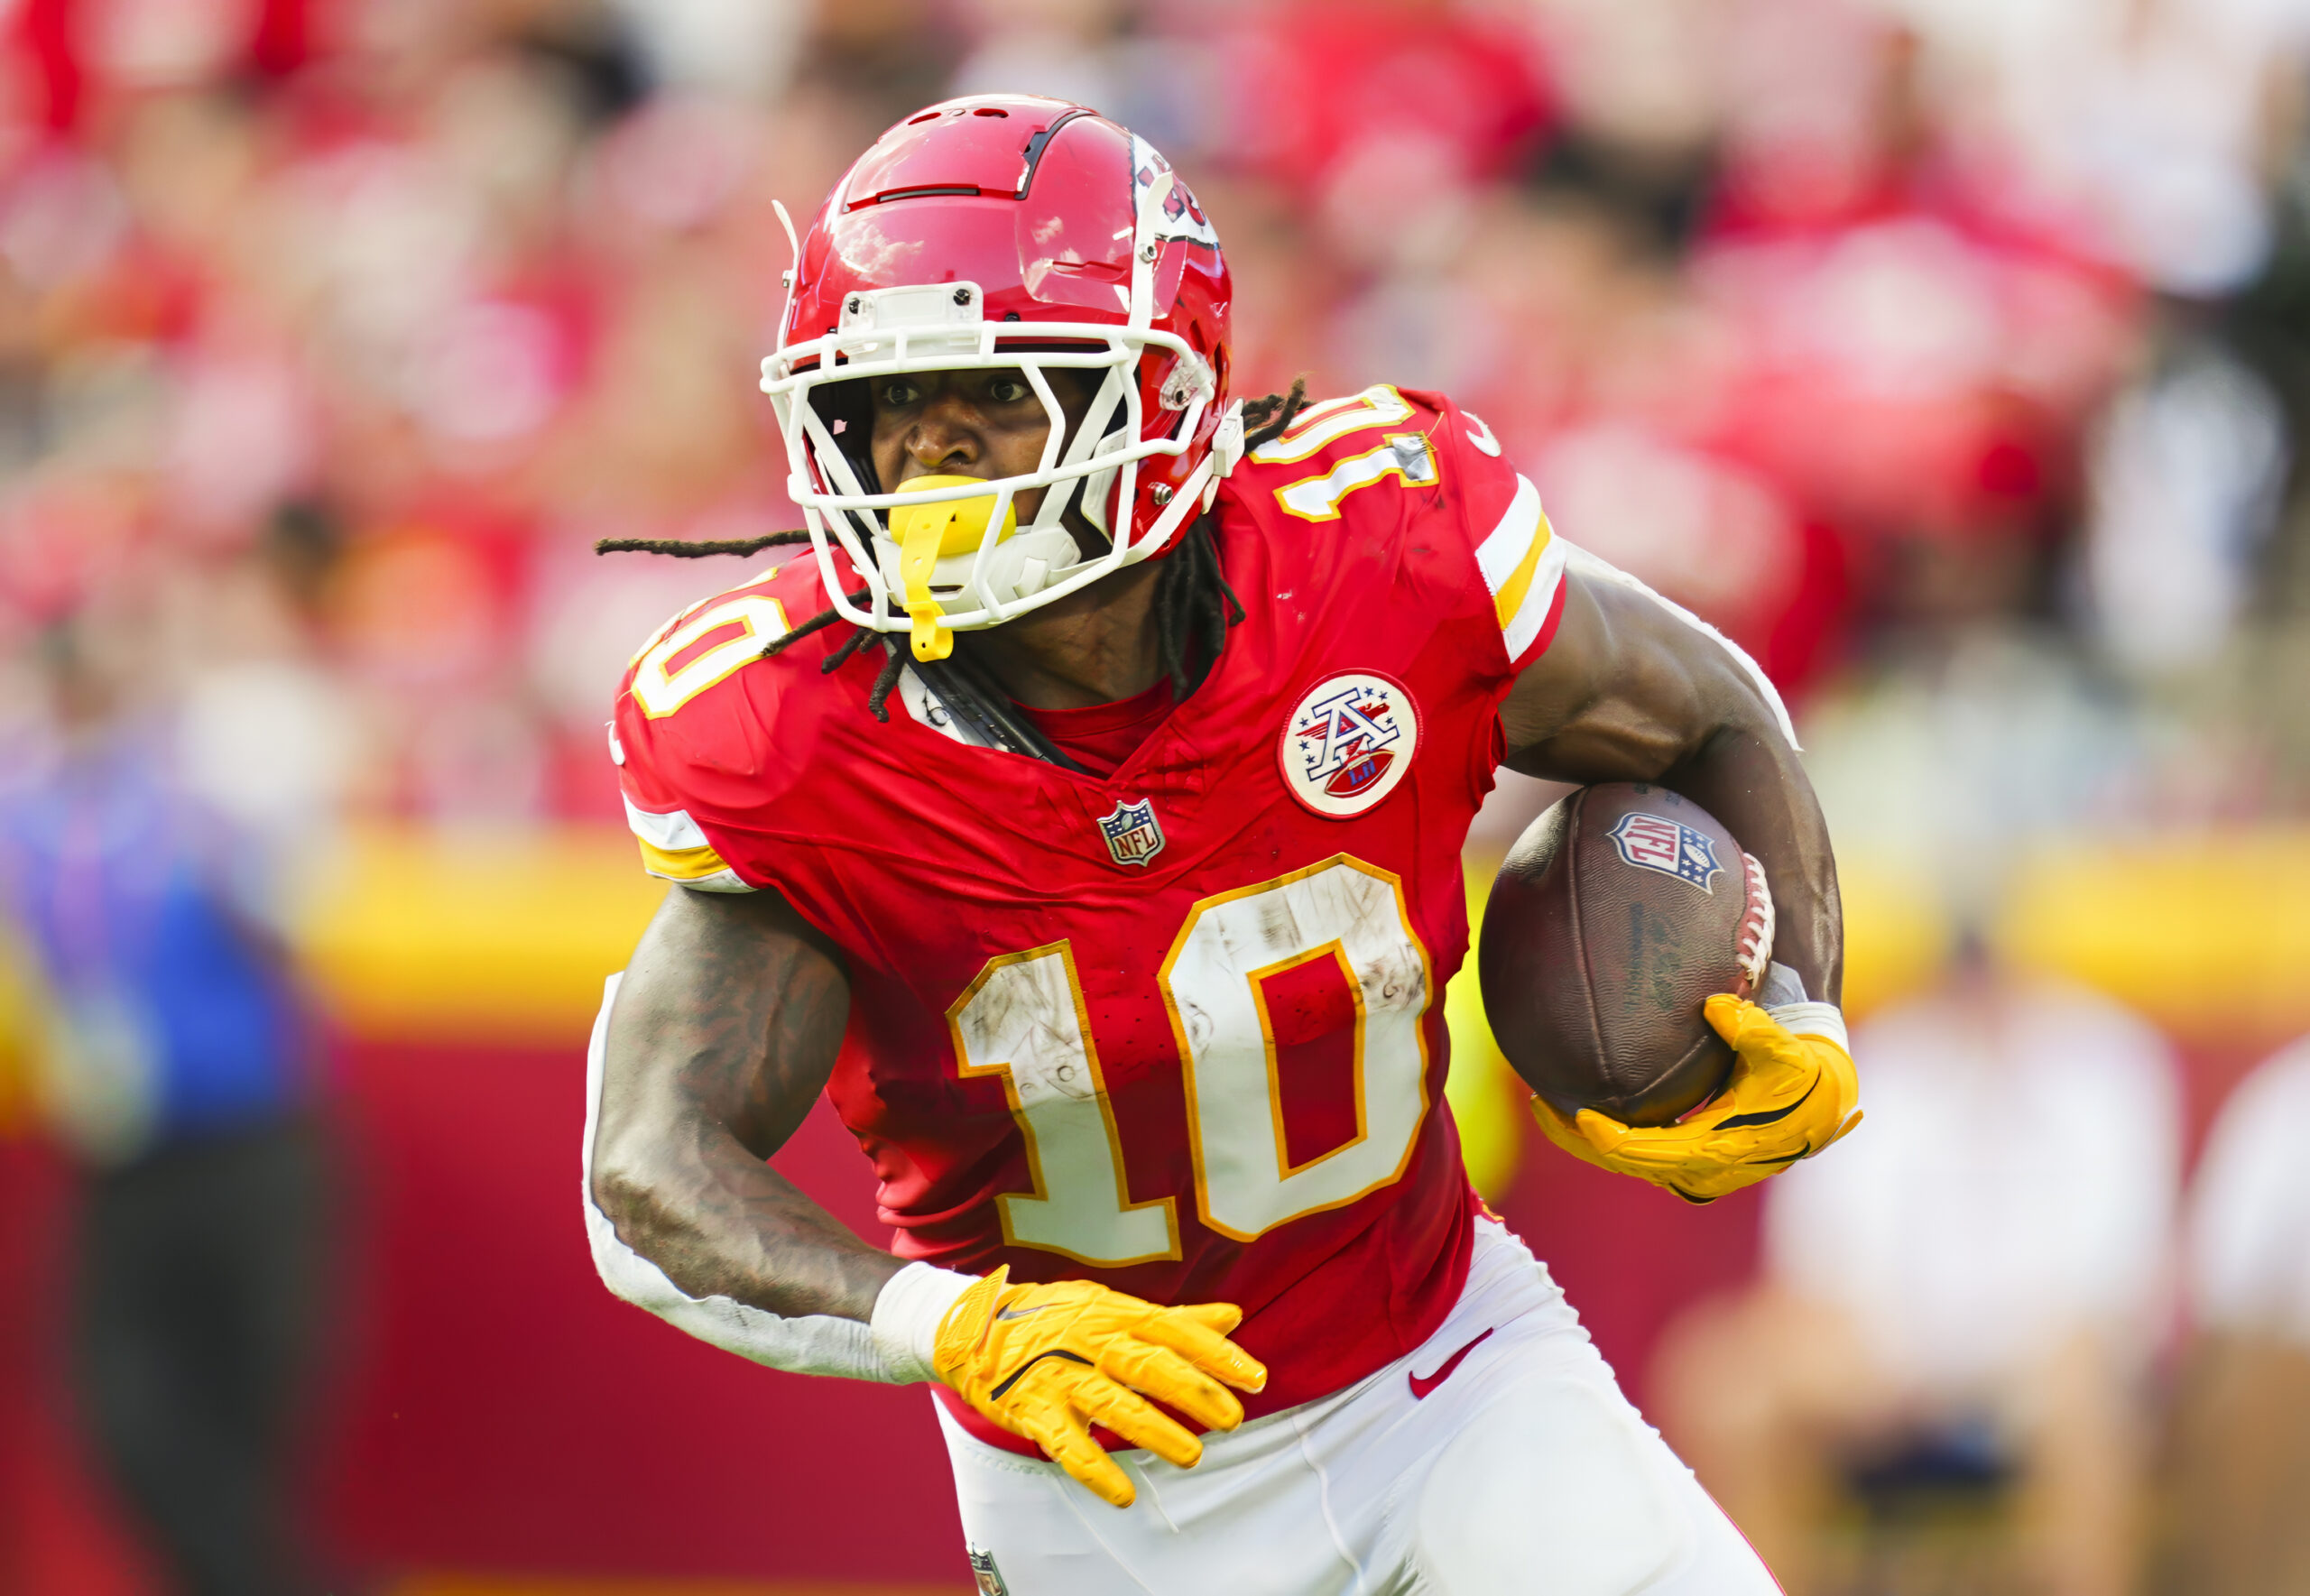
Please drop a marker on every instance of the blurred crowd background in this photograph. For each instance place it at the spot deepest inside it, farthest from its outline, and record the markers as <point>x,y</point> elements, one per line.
<point>1953,356</point>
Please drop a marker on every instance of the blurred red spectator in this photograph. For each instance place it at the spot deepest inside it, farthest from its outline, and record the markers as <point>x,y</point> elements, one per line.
<point>1366,106</point>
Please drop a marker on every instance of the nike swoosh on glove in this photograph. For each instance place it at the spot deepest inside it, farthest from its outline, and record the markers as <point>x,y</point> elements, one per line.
<point>1789,1097</point>
<point>1047,1362</point>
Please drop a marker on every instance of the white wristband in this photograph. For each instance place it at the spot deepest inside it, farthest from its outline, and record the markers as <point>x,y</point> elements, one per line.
<point>907,1314</point>
<point>1823,1020</point>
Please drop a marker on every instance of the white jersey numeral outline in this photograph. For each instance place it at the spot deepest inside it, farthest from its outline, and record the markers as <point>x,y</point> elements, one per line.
<point>760,619</point>
<point>1026,1019</point>
<point>1245,1183</point>
<point>1407,456</point>
<point>1328,420</point>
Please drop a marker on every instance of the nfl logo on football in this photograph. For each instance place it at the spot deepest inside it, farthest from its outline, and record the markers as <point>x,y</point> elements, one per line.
<point>1134,834</point>
<point>1654,842</point>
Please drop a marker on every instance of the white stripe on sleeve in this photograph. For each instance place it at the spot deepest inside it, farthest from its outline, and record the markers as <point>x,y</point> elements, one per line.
<point>675,832</point>
<point>1540,598</point>
<point>1503,550</point>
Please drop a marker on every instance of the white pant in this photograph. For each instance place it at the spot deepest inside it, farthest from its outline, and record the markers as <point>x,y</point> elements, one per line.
<point>1523,1470</point>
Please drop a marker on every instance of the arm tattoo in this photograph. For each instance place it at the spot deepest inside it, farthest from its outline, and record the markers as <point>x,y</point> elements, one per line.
<point>725,1031</point>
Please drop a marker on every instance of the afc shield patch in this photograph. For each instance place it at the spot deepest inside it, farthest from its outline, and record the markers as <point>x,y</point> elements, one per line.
<point>983,1570</point>
<point>1349,742</point>
<point>1654,842</point>
<point>1133,836</point>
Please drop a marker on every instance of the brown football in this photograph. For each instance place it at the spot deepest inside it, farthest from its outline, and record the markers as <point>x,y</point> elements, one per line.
<point>1616,914</point>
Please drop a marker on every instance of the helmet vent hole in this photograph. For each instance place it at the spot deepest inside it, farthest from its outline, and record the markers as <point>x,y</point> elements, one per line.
<point>990,111</point>
<point>926,116</point>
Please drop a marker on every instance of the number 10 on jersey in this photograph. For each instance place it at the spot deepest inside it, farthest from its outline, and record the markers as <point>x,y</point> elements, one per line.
<point>1025,1020</point>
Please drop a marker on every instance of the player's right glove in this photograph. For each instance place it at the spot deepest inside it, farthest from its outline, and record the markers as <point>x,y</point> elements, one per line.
<point>1791,1094</point>
<point>1047,1362</point>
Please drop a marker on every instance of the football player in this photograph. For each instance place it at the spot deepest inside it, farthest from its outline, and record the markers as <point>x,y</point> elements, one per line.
<point>1084,816</point>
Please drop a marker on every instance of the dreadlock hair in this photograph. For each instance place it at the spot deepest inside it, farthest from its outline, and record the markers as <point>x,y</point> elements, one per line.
<point>1193,605</point>
<point>1271,416</point>
<point>680,549</point>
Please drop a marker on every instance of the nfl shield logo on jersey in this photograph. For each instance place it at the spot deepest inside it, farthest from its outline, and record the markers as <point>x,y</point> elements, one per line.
<point>1654,842</point>
<point>1134,834</point>
<point>1350,740</point>
<point>983,1570</point>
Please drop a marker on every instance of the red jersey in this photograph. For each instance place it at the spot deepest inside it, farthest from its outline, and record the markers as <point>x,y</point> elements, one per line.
<point>1180,1029</point>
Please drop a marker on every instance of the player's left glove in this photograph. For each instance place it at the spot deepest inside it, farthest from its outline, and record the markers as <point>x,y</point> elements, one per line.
<point>1047,1362</point>
<point>1792,1091</point>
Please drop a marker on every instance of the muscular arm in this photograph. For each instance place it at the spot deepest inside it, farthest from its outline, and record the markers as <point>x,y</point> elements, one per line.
<point>725,1029</point>
<point>1630,691</point>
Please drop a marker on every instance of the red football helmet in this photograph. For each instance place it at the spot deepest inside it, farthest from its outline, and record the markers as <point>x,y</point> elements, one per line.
<point>1007,231</point>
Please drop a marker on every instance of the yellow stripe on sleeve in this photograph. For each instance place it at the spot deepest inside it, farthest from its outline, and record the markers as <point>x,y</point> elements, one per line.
<point>1511,597</point>
<point>679,864</point>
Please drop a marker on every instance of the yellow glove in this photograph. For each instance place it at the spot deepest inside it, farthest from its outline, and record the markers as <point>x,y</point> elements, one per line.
<point>1789,1097</point>
<point>1047,1362</point>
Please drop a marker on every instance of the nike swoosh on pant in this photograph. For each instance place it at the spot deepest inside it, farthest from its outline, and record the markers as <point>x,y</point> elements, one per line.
<point>1420,1388</point>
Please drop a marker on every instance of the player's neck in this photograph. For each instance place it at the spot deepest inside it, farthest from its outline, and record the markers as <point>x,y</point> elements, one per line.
<point>1096,646</point>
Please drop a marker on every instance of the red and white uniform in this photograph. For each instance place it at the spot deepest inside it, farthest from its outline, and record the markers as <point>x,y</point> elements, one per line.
<point>1176,1026</point>
<point>1179,1028</point>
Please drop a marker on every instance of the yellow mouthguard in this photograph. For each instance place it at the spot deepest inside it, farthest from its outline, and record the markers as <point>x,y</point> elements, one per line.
<point>926,533</point>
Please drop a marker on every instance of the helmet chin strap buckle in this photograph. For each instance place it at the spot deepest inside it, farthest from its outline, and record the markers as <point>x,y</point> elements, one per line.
<point>1227,443</point>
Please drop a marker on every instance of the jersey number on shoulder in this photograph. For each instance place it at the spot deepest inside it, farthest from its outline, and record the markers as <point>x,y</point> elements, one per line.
<point>698,650</point>
<point>1025,1020</point>
<point>1319,425</point>
<point>1405,455</point>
